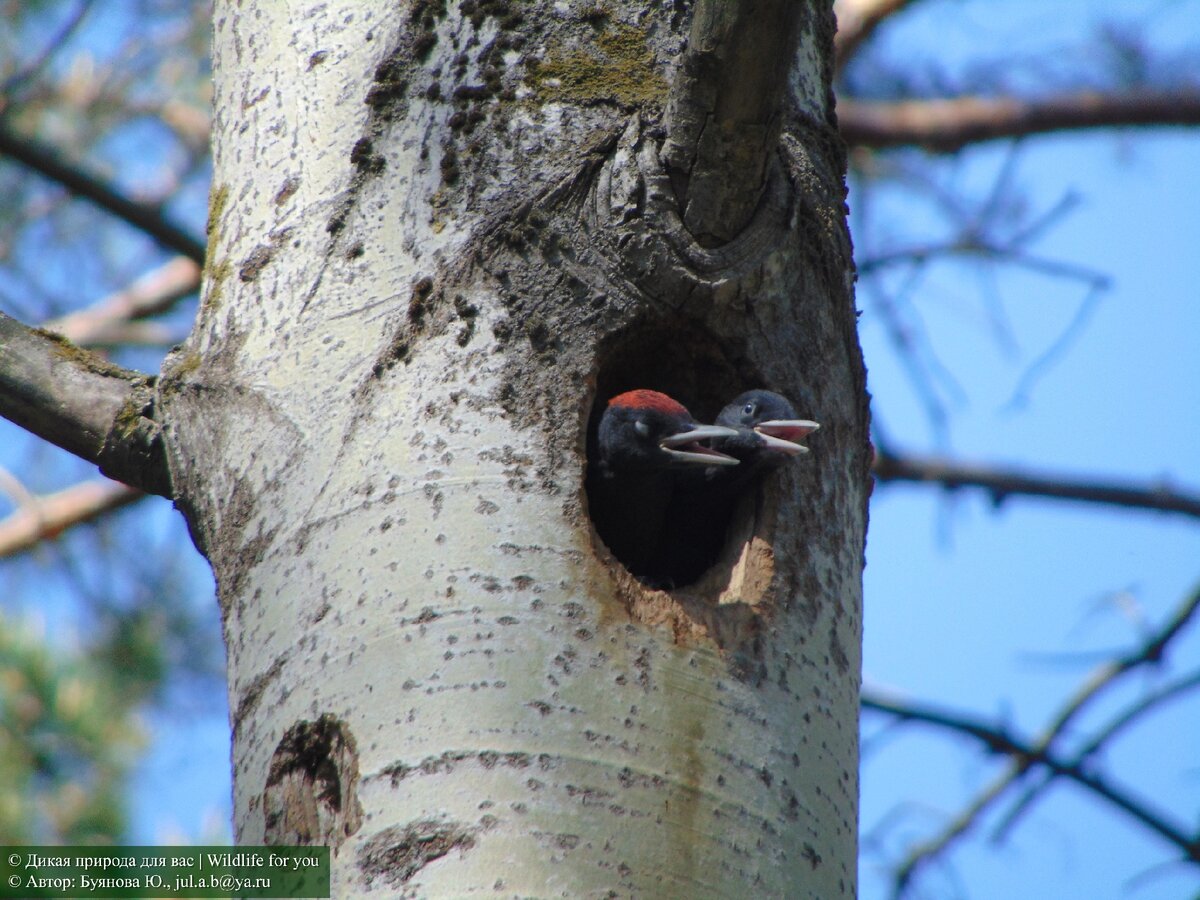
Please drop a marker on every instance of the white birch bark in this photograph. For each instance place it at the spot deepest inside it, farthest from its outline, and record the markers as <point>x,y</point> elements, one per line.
<point>438,231</point>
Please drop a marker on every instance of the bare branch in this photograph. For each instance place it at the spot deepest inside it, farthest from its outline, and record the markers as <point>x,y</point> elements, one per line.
<point>1141,707</point>
<point>151,221</point>
<point>857,21</point>
<point>998,739</point>
<point>84,404</point>
<point>723,113</point>
<point>949,125</point>
<point>44,518</point>
<point>34,67</point>
<point>105,322</point>
<point>1002,483</point>
<point>913,348</point>
<point>140,334</point>
<point>1151,651</point>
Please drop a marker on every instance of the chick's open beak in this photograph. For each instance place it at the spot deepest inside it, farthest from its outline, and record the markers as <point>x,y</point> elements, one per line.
<point>784,435</point>
<point>686,447</point>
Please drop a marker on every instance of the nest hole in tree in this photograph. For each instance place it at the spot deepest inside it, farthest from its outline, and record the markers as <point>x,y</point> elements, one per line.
<point>701,544</point>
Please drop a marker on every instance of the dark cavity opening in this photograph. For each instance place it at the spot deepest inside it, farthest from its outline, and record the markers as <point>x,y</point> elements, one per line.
<point>663,525</point>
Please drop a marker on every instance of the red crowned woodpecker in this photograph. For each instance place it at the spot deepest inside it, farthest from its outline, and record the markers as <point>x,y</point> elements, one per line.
<point>645,441</point>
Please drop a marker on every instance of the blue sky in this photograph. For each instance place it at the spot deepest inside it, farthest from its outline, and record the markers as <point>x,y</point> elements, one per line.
<point>996,612</point>
<point>1003,612</point>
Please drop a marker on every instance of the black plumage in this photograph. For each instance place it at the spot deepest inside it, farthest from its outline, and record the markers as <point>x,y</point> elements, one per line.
<point>644,442</point>
<point>766,433</point>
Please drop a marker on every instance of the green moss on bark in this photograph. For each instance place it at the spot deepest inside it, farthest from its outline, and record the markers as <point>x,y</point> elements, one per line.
<point>618,67</point>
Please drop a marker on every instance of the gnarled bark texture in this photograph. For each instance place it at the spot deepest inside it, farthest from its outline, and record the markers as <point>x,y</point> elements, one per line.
<point>440,232</point>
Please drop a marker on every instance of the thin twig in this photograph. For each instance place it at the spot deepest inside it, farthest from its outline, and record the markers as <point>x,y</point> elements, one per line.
<point>857,21</point>
<point>33,67</point>
<point>998,739</point>
<point>149,295</point>
<point>1004,482</point>
<point>949,125</point>
<point>1141,707</point>
<point>46,161</point>
<point>1149,652</point>
<point>908,337</point>
<point>47,517</point>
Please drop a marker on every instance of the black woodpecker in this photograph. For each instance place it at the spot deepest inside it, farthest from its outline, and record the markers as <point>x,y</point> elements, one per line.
<point>645,444</point>
<point>766,434</point>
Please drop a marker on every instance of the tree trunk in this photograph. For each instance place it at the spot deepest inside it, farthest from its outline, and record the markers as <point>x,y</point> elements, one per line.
<point>440,235</point>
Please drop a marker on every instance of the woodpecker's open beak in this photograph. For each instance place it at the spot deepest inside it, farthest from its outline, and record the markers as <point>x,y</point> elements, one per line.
<point>784,435</point>
<point>685,446</point>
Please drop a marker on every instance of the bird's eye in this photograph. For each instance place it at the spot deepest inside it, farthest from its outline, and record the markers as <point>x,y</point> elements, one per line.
<point>749,409</point>
<point>641,428</point>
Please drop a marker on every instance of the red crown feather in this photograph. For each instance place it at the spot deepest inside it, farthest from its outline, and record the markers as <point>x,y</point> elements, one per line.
<point>643,399</point>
